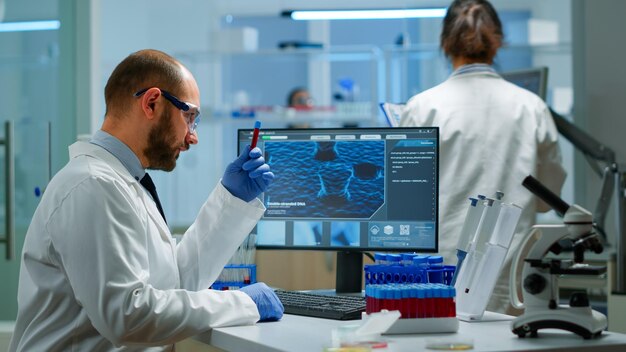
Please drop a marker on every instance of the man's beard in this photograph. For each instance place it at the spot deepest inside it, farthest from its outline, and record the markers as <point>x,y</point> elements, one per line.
<point>162,148</point>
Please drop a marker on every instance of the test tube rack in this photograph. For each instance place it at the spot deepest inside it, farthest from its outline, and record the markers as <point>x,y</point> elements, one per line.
<point>424,308</point>
<point>395,274</point>
<point>412,300</point>
<point>235,276</point>
<point>422,294</point>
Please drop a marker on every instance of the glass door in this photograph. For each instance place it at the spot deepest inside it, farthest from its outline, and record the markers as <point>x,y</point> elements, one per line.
<point>29,101</point>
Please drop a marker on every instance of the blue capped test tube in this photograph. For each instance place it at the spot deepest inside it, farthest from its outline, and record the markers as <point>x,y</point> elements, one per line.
<point>394,259</point>
<point>407,258</point>
<point>380,258</point>
<point>435,269</point>
<point>421,264</point>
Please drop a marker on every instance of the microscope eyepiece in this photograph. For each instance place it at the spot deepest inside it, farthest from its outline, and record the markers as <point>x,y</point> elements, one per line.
<point>541,191</point>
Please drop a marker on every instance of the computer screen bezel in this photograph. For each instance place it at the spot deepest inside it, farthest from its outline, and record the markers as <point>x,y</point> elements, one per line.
<point>542,71</point>
<point>434,249</point>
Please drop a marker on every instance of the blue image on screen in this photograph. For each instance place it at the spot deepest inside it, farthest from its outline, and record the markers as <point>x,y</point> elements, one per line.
<point>270,233</point>
<point>345,234</point>
<point>325,179</point>
<point>307,233</point>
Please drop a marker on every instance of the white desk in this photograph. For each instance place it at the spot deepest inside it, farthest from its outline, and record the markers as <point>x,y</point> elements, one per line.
<point>6,330</point>
<point>297,333</point>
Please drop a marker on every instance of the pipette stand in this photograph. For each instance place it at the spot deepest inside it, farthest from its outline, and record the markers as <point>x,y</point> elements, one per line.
<point>472,298</point>
<point>540,276</point>
<point>484,262</point>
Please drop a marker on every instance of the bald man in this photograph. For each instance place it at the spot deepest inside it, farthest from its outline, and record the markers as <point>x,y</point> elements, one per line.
<point>99,269</point>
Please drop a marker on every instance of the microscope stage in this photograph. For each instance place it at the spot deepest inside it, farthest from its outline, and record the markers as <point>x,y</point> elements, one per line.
<point>583,321</point>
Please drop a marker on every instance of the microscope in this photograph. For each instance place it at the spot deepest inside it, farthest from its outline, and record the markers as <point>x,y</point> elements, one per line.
<point>540,274</point>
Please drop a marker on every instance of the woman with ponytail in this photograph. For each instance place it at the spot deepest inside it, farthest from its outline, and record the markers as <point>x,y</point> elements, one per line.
<point>493,133</point>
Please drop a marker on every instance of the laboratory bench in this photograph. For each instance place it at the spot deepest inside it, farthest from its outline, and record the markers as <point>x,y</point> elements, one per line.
<point>6,330</point>
<point>298,333</point>
<point>302,334</point>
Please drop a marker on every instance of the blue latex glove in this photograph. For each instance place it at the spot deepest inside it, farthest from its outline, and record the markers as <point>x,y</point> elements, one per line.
<point>248,176</point>
<point>269,306</point>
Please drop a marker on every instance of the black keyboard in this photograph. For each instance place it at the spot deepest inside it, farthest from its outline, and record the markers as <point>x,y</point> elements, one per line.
<point>322,306</point>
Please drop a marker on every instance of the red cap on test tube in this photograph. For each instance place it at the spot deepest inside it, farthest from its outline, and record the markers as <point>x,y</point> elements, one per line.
<point>255,134</point>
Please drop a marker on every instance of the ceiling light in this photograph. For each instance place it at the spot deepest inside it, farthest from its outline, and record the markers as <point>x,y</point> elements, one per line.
<point>311,15</point>
<point>29,26</point>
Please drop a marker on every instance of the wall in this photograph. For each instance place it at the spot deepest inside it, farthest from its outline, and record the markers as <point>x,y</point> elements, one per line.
<point>599,78</point>
<point>128,26</point>
<point>29,10</point>
<point>601,98</point>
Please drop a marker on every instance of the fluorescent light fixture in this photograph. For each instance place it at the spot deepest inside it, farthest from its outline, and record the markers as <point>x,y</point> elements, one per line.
<point>29,26</point>
<point>312,15</point>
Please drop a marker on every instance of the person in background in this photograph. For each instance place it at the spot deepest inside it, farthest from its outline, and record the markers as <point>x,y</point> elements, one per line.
<point>493,133</point>
<point>100,270</point>
<point>299,99</point>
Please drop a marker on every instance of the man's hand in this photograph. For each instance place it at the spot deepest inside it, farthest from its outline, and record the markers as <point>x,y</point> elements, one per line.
<point>247,176</point>
<point>269,306</point>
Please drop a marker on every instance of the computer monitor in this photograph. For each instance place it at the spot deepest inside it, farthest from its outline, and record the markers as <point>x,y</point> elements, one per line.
<point>350,190</point>
<point>533,79</point>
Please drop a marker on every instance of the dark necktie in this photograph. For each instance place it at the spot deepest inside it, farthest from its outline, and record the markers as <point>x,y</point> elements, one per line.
<point>146,181</point>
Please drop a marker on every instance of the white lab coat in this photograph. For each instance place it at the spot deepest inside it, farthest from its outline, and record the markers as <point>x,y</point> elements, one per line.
<point>100,270</point>
<point>493,134</point>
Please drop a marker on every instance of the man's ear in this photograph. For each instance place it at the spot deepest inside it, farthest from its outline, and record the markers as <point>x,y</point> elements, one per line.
<point>149,102</point>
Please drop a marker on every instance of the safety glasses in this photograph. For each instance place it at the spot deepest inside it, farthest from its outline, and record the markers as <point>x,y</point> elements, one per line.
<point>191,112</point>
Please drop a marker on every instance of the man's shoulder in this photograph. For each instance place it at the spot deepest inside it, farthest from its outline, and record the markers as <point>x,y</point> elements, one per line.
<point>85,182</point>
<point>82,169</point>
<point>85,166</point>
<point>91,160</point>
<point>73,174</point>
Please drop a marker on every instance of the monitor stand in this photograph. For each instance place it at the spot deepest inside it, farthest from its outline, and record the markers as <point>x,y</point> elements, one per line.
<point>349,275</point>
<point>349,272</point>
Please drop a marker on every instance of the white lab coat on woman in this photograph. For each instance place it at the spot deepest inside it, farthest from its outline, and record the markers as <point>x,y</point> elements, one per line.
<point>100,270</point>
<point>493,134</point>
